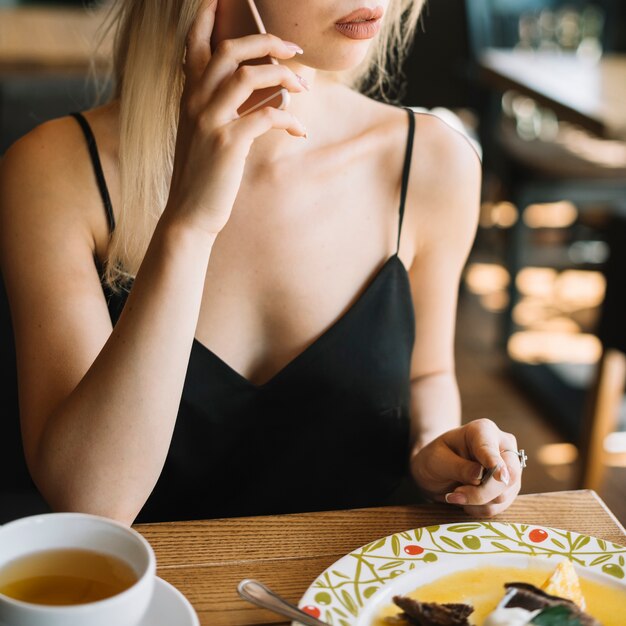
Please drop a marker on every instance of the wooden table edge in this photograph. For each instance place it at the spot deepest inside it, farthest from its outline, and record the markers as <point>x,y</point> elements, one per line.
<point>608,511</point>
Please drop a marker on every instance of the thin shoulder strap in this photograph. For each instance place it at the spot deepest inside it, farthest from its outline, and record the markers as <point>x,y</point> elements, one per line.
<point>97,167</point>
<point>406,170</point>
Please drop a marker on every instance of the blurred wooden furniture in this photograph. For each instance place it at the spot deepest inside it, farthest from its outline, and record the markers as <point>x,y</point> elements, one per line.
<point>206,559</point>
<point>606,394</point>
<point>553,131</point>
<point>44,40</point>
<point>587,93</point>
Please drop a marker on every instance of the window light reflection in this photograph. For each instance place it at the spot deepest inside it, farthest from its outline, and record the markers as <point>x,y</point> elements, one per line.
<point>615,443</point>
<point>615,446</point>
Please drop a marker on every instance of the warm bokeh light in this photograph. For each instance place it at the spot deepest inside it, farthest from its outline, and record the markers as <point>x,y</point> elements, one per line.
<point>530,346</point>
<point>485,278</point>
<point>559,324</point>
<point>548,293</point>
<point>504,214</point>
<point>550,215</point>
<point>536,281</point>
<point>557,454</point>
<point>496,301</point>
<point>579,289</point>
<point>561,473</point>
<point>531,311</point>
<point>498,214</point>
<point>484,217</point>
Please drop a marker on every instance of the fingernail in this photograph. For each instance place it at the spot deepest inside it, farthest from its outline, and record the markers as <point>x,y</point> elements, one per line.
<point>480,474</point>
<point>456,498</point>
<point>303,81</point>
<point>294,47</point>
<point>504,475</point>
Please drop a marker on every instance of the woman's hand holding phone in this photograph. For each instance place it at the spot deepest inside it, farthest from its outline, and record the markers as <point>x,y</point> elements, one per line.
<point>213,142</point>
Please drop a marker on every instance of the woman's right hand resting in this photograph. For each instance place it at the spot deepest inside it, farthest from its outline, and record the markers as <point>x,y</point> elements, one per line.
<point>213,142</point>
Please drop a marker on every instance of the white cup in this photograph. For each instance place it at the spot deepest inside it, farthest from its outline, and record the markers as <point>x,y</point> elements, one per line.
<point>52,531</point>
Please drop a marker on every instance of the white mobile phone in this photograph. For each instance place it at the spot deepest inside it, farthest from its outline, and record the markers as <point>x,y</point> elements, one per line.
<point>238,18</point>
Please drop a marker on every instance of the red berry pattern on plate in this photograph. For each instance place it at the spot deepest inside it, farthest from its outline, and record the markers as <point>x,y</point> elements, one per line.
<point>312,610</point>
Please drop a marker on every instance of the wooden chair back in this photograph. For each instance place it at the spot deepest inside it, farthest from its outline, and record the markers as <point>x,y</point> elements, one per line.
<point>606,394</point>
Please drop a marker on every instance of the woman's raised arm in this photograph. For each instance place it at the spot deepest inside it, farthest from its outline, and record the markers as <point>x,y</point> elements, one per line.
<point>98,404</point>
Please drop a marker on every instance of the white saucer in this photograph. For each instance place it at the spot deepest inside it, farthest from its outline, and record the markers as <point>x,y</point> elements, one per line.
<point>168,607</point>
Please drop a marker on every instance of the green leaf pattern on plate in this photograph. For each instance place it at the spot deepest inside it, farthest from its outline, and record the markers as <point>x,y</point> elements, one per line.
<point>341,593</point>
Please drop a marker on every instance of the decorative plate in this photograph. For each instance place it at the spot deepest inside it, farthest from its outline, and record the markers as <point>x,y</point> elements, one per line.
<point>352,590</point>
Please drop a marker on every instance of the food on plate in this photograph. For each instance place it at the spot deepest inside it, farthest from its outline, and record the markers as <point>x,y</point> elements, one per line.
<point>427,613</point>
<point>564,582</point>
<point>524,603</point>
<point>557,600</point>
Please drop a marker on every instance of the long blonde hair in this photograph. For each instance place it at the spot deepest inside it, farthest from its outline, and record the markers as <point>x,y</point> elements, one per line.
<point>145,74</point>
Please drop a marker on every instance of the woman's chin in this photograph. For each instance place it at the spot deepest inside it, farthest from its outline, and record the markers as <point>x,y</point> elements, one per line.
<point>343,63</point>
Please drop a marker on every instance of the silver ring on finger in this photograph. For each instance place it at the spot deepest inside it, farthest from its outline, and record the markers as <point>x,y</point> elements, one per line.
<point>521,455</point>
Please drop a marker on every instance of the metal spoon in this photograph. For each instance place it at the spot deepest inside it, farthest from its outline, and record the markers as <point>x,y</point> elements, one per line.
<point>257,593</point>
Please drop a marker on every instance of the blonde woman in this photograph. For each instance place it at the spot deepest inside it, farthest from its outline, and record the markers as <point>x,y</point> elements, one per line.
<point>219,315</point>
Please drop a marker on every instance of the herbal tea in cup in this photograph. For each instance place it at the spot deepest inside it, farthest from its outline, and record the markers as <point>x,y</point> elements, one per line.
<point>71,569</point>
<point>65,576</point>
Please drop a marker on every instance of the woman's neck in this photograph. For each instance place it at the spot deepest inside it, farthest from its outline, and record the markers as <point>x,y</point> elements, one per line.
<point>312,108</point>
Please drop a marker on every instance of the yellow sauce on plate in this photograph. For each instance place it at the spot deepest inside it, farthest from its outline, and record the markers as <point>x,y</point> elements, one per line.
<point>483,588</point>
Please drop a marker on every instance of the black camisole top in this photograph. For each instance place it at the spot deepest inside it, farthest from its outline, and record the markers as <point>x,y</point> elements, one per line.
<point>329,431</point>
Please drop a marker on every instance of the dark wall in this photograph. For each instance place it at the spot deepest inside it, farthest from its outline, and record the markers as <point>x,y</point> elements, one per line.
<point>437,68</point>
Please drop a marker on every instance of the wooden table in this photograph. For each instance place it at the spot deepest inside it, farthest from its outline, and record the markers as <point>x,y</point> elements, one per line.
<point>586,93</point>
<point>44,40</point>
<point>206,559</point>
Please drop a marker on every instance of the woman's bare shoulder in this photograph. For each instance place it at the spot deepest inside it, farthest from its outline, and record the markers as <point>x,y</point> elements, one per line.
<point>46,176</point>
<point>53,143</point>
<point>445,181</point>
<point>444,137</point>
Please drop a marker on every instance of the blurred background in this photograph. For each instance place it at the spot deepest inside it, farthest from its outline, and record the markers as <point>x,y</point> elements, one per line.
<point>539,88</point>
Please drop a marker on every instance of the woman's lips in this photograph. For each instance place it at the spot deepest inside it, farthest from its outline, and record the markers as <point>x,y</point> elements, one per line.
<point>363,23</point>
<point>359,30</point>
<point>362,14</point>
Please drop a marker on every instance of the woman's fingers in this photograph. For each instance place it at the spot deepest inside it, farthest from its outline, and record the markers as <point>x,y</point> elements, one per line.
<point>198,49</point>
<point>485,500</point>
<point>231,53</point>
<point>259,122</point>
<point>477,495</point>
<point>449,467</point>
<point>483,439</point>
<point>249,78</point>
<point>513,462</point>
<point>495,506</point>
<point>496,451</point>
